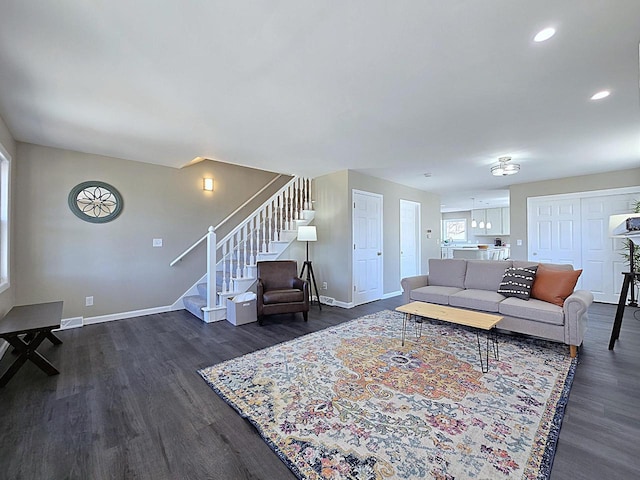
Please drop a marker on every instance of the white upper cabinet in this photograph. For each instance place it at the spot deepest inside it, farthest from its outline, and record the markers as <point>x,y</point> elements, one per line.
<point>506,221</point>
<point>480,217</point>
<point>497,217</point>
<point>494,219</point>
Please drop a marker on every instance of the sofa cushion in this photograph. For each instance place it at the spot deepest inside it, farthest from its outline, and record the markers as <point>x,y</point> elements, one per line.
<point>484,275</point>
<point>533,309</point>
<point>447,272</point>
<point>434,294</point>
<point>517,282</point>
<point>554,286</point>
<point>476,300</point>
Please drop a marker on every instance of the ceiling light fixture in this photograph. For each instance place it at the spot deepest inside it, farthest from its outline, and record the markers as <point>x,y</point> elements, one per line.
<point>544,35</point>
<point>504,168</point>
<point>600,95</point>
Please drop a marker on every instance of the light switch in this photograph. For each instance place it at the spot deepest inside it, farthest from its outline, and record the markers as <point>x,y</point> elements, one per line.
<point>519,242</point>
<point>157,242</point>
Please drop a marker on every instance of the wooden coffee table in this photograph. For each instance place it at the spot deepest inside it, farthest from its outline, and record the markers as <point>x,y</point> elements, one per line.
<point>478,320</point>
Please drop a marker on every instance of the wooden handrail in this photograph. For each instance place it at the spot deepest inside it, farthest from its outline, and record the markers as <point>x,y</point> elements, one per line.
<point>186,252</point>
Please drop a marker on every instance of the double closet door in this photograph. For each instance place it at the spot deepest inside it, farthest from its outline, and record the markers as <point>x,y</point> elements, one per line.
<point>574,229</point>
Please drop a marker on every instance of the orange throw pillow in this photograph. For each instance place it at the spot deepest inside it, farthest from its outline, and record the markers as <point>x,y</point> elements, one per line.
<point>554,286</point>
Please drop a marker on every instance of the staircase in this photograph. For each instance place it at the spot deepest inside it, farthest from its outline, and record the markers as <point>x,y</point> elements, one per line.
<point>231,262</point>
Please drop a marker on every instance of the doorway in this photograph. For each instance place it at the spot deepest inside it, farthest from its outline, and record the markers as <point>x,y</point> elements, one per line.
<point>410,246</point>
<point>367,247</point>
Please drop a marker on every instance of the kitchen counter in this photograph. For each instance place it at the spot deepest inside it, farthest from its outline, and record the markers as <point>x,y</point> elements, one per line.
<point>472,252</point>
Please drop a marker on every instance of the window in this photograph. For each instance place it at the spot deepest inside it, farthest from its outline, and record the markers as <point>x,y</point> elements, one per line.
<point>455,229</point>
<point>5,181</point>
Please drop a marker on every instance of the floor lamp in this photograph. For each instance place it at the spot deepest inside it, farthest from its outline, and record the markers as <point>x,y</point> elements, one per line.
<point>308,234</point>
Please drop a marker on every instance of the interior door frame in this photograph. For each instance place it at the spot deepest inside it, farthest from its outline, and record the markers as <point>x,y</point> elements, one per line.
<point>418,237</point>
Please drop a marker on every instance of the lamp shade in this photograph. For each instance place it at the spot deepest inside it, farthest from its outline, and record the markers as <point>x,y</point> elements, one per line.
<point>616,222</point>
<point>307,233</point>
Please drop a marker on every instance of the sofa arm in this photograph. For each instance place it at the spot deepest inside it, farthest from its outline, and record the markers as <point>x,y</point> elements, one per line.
<point>410,283</point>
<point>575,316</point>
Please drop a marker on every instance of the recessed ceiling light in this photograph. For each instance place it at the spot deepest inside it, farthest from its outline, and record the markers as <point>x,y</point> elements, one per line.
<point>427,174</point>
<point>600,95</point>
<point>544,35</point>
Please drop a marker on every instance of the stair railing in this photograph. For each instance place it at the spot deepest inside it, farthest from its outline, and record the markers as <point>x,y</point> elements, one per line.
<point>251,237</point>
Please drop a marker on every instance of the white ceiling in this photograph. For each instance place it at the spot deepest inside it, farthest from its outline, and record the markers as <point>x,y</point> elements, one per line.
<point>391,89</point>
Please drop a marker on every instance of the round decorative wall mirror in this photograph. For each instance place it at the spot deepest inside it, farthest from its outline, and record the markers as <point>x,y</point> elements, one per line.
<point>95,202</point>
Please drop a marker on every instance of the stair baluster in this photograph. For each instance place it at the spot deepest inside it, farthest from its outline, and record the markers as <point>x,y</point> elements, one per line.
<point>262,232</point>
<point>263,247</point>
<point>299,204</point>
<point>237,240</point>
<point>290,227</point>
<point>252,259</point>
<point>224,267</point>
<point>245,272</point>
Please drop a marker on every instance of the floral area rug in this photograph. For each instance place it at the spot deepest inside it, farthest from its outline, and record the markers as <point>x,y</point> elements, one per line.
<point>350,402</point>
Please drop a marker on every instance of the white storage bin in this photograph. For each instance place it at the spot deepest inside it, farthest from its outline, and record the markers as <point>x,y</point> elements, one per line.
<point>242,309</point>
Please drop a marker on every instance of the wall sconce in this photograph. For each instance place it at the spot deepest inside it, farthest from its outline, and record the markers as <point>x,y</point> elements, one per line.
<point>207,184</point>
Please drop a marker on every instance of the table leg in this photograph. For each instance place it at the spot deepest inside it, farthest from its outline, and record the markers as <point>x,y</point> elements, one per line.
<point>617,323</point>
<point>418,326</point>
<point>27,351</point>
<point>493,338</point>
<point>404,326</point>
<point>53,339</point>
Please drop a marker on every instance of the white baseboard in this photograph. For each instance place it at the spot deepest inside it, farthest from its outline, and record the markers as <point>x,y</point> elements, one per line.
<point>76,322</point>
<point>134,313</point>
<point>333,302</point>
<point>3,348</point>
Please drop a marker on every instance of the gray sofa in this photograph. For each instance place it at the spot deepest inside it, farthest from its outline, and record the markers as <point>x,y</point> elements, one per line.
<point>473,284</point>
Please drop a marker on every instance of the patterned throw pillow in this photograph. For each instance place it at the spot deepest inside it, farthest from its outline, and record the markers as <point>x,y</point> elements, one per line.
<point>517,282</point>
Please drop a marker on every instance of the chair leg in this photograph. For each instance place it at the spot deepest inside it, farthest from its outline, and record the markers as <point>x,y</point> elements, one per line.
<point>260,320</point>
<point>305,315</point>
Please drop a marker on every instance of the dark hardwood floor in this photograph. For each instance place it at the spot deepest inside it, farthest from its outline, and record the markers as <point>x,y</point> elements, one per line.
<point>129,404</point>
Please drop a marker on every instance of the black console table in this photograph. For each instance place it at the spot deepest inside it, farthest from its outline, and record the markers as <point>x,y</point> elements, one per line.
<point>35,323</point>
<point>629,277</point>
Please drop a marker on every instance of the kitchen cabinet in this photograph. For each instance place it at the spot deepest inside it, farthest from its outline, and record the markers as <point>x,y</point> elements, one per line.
<point>506,221</point>
<point>479,216</point>
<point>446,252</point>
<point>494,217</point>
<point>498,217</point>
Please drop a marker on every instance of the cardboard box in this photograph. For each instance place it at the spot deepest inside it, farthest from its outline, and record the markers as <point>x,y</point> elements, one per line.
<point>241,312</point>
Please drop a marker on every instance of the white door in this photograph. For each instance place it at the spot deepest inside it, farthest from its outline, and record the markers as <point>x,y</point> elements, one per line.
<point>409,238</point>
<point>554,231</point>
<point>367,247</point>
<point>602,261</point>
<point>575,229</point>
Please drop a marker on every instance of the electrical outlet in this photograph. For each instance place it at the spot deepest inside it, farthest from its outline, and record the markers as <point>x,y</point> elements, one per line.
<point>88,301</point>
<point>519,242</point>
<point>324,285</point>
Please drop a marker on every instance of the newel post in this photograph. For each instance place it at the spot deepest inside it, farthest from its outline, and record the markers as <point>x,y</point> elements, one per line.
<point>211,268</point>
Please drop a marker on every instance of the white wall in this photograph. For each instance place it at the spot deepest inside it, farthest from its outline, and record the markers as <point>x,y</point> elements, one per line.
<point>60,257</point>
<point>333,251</point>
